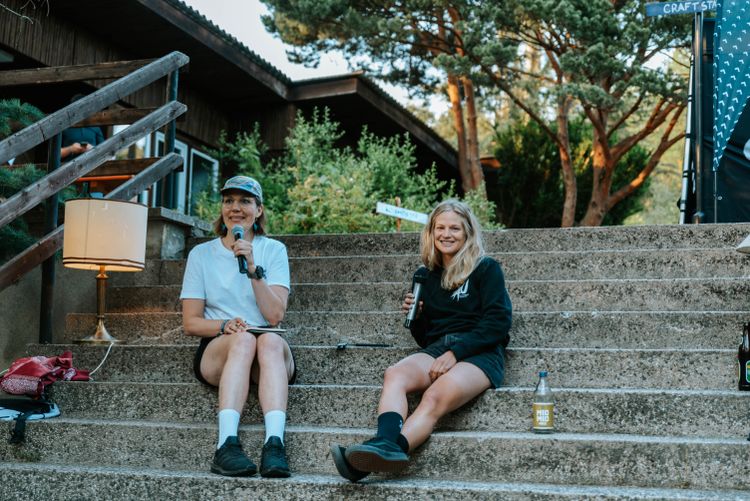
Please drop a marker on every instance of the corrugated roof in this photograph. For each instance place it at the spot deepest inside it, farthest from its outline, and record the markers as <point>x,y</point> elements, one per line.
<point>232,40</point>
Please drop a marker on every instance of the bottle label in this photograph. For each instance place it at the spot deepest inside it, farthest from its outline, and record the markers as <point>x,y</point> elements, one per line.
<point>543,416</point>
<point>747,372</point>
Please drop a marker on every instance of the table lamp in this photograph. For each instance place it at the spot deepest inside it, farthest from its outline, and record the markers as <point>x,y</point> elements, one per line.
<point>104,235</point>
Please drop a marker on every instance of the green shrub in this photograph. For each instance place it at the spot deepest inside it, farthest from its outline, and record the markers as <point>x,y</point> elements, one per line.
<point>317,187</point>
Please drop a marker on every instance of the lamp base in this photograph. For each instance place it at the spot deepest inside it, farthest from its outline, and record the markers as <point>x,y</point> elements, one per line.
<point>101,336</point>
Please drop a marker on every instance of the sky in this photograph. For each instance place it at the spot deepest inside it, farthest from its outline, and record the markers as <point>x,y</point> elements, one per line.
<point>241,19</point>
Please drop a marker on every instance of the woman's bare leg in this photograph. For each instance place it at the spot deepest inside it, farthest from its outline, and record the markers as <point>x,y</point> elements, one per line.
<point>409,375</point>
<point>275,366</point>
<point>226,363</point>
<point>449,392</point>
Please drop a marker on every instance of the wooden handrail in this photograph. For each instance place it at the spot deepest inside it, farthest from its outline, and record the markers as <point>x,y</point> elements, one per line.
<point>73,73</point>
<point>55,181</point>
<point>57,122</point>
<point>30,258</point>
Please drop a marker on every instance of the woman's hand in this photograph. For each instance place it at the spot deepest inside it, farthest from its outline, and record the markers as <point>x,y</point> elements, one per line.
<point>242,247</point>
<point>442,364</point>
<point>235,326</point>
<point>408,301</point>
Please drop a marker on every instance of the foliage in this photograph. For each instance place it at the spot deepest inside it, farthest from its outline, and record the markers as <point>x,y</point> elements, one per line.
<point>551,58</point>
<point>15,115</point>
<point>529,190</point>
<point>15,236</point>
<point>318,187</point>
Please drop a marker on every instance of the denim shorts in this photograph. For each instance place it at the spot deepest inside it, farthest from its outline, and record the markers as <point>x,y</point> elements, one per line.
<point>492,362</point>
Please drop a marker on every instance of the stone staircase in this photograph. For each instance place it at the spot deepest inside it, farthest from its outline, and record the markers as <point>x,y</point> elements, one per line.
<point>638,328</point>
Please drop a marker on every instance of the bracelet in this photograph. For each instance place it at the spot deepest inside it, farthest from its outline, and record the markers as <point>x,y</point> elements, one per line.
<point>223,324</point>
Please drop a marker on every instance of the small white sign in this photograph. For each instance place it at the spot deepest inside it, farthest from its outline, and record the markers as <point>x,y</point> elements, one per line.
<point>401,213</point>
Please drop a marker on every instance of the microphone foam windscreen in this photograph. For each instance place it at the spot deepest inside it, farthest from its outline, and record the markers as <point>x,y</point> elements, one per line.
<point>238,231</point>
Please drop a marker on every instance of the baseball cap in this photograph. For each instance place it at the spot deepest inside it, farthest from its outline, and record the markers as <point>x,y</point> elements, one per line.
<point>246,184</point>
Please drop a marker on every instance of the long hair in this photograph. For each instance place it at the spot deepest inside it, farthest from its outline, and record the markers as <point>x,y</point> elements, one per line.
<point>259,228</point>
<point>466,259</point>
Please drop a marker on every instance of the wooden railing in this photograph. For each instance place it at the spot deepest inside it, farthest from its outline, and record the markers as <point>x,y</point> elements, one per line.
<point>87,110</point>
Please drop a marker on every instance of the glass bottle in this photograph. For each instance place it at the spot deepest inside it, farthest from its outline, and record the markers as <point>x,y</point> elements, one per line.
<point>543,407</point>
<point>743,360</point>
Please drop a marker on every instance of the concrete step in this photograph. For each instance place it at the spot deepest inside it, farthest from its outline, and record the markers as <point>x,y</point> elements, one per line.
<point>667,412</point>
<point>728,294</point>
<point>568,367</point>
<point>573,459</point>
<point>693,263</point>
<point>20,481</point>
<point>531,240</point>
<point>601,329</point>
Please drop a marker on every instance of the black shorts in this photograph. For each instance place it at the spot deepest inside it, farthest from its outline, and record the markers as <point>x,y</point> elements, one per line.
<point>202,347</point>
<point>492,363</point>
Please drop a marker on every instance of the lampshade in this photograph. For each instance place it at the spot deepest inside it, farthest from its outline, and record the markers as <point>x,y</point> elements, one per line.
<point>745,245</point>
<point>101,232</point>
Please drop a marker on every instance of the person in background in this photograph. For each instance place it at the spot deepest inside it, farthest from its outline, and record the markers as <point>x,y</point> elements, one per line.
<point>219,304</point>
<point>77,140</point>
<point>464,316</point>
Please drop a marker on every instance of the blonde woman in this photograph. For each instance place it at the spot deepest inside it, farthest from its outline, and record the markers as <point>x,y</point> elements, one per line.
<point>462,327</point>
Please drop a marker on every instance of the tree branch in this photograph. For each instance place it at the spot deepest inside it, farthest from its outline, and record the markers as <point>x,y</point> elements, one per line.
<point>625,116</point>
<point>664,145</point>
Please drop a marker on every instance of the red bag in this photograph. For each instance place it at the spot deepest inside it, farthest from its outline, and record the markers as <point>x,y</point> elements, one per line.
<point>31,375</point>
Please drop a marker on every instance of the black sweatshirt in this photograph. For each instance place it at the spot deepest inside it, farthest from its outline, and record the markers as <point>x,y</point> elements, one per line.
<point>473,318</point>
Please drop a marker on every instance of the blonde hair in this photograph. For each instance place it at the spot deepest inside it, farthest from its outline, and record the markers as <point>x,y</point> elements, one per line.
<point>466,259</point>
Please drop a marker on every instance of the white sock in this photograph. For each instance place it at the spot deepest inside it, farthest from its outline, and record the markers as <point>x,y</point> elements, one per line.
<point>275,422</point>
<point>229,423</point>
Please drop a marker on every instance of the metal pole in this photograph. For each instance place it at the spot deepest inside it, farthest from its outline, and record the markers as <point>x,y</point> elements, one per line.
<point>48,266</point>
<point>170,184</point>
<point>684,193</point>
<point>698,102</point>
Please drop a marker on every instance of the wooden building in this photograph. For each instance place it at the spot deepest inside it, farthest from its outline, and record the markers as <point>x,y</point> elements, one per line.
<point>227,87</point>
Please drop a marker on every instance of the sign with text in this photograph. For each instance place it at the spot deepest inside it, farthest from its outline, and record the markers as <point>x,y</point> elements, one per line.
<point>401,213</point>
<point>679,7</point>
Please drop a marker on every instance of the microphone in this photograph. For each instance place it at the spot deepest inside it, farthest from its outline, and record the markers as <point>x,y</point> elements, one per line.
<point>420,277</point>
<point>238,233</point>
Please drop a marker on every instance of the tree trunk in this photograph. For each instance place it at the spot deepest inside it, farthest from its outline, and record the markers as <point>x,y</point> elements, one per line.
<point>602,183</point>
<point>472,136</point>
<point>568,170</point>
<point>464,168</point>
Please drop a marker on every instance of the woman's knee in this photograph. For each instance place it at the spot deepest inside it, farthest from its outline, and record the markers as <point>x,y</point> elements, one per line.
<point>396,375</point>
<point>242,344</point>
<point>434,402</point>
<point>271,347</point>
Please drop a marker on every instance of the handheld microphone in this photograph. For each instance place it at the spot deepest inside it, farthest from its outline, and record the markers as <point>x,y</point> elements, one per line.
<point>420,277</point>
<point>238,233</point>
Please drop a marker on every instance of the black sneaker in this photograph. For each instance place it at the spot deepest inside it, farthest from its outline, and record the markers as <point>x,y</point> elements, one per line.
<point>377,454</point>
<point>231,461</point>
<point>273,459</point>
<point>342,465</point>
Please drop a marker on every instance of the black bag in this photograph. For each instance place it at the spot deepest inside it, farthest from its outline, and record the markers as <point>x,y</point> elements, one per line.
<point>22,409</point>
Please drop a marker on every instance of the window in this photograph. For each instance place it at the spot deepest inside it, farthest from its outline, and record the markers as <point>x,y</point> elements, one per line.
<point>200,171</point>
<point>178,179</point>
<point>204,173</point>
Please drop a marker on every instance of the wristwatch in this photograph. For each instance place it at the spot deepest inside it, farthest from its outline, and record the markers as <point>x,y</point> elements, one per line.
<point>259,273</point>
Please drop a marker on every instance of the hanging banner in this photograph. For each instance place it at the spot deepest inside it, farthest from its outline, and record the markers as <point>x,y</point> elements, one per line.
<point>680,7</point>
<point>731,71</point>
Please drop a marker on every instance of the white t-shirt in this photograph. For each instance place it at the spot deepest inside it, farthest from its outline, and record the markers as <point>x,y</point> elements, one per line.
<point>212,274</point>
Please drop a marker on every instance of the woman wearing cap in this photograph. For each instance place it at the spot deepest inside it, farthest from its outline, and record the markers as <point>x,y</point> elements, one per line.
<point>219,304</point>
<point>462,327</point>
